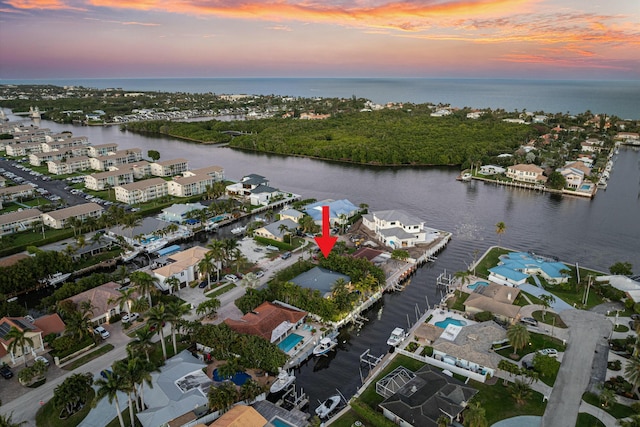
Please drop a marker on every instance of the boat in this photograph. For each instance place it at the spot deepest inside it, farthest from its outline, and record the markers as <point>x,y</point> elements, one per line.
<point>328,406</point>
<point>156,245</point>
<point>396,337</point>
<point>238,230</point>
<point>284,380</point>
<point>325,346</point>
<point>57,278</point>
<point>129,255</point>
<point>464,177</point>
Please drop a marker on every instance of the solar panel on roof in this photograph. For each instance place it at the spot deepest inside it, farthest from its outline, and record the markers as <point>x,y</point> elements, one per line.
<point>22,324</point>
<point>4,329</point>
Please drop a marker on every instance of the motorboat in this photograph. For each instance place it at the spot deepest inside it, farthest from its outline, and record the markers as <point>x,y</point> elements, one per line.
<point>325,346</point>
<point>129,255</point>
<point>156,245</point>
<point>238,230</point>
<point>328,406</point>
<point>396,337</point>
<point>57,278</point>
<point>284,380</point>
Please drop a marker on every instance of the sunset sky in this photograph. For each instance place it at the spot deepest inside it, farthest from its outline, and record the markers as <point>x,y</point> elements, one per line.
<point>559,39</point>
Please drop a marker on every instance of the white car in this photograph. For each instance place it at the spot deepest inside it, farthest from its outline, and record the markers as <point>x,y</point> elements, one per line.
<point>126,318</point>
<point>42,359</point>
<point>231,278</point>
<point>102,332</point>
<point>259,274</point>
<point>552,352</point>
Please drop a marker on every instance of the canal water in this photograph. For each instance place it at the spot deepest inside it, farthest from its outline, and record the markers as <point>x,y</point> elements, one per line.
<point>595,233</point>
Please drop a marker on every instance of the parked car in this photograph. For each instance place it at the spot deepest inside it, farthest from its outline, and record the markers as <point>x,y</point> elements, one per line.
<point>231,278</point>
<point>552,352</point>
<point>527,364</point>
<point>42,359</point>
<point>104,373</point>
<point>259,274</point>
<point>635,316</point>
<point>203,284</point>
<point>129,317</point>
<point>6,372</point>
<point>102,332</point>
<point>529,321</point>
<point>286,255</point>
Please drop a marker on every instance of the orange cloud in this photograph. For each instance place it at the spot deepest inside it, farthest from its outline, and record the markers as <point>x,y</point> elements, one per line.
<point>42,4</point>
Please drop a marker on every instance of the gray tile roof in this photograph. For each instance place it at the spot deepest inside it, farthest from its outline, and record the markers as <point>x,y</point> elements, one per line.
<point>319,278</point>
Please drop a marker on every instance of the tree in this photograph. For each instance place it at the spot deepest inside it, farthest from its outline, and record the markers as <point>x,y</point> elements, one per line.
<point>145,283</point>
<point>520,391</point>
<point>632,421</point>
<point>474,415</point>
<point>125,299</point>
<point>158,316</point>
<point>72,394</point>
<point>142,341</point>
<point>546,300</point>
<point>223,396</point>
<point>108,387</point>
<point>153,155</point>
<point>606,396</point>
<point>443,421</point>
<point>500,229</point>
<point>621,268</point>
<point>172,283</point>
<point>400,254</point>
<point>18,340</point>
<point>250,390</point>
<point>7,421</point>
<point>208,307</point>
<point>463,278</point>
<point>175,311</point>
<point>205,266</point>
<point>556,181</point>
<point>632,372</point>
<point>518,337</point>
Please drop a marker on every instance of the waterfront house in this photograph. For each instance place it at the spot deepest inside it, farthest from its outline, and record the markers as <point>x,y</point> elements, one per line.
<point>574,174</point>
<point>38,159</point>
<point>141,169</point>
<point>102,149</point>
<point>515,267</point>
<point>245,185</point>
<point>262,195</point>
<point>629,285</point>
<point>241,415</point>
<point>292,214</point>
<point>397,229</point>
<point>421,400</point>
<point>496,299</point>
<point>121,157</point>
<point>22,220</point>
<point>275,231</point>
<point>102,300</point>
<point>526,173</point>
<point>16,192</point>
<point>215,172</point>
<point>50,324</point>
<point>189,185</point>
<point>142,191</point>
<point>339,211</point>
<point>169,167</point>
<point>180,387</point>
<point>491,170</point>
<point>149,227</point>
<point>182,265</point>
<point>472,347</point>
<point>271,321</point>
<point>24,325</point>
<point>179,212</point>
<point>320,279</point>
<point>59,219</point>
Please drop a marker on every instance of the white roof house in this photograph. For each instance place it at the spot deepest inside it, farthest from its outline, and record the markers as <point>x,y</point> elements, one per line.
<point>397,229</point>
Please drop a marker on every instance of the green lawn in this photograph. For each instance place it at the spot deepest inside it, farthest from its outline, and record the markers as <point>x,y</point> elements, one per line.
<point>48,415</point>
<point>457,303</point>
<point>537,342</point>
<point>499,405</point>
<point>490,260</point>
<point>615,409</point>
<point>551,319</point>
<point>89,357</point>
<point>588,420</point>
<point>220,290</point>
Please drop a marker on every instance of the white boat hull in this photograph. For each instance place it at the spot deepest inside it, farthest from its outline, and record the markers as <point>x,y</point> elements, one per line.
<point>328,406</point>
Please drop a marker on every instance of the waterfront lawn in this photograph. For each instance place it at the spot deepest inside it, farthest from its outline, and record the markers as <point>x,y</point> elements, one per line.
<point>48,415</point>
<point>550,318</point>
<point>615,409</point>
<point>457,303</point>
<point>373,399</point>
<point>499,405</point>
<point>490,260</point>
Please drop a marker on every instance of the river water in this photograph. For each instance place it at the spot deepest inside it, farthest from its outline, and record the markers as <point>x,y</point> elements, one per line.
<point>595,233</point>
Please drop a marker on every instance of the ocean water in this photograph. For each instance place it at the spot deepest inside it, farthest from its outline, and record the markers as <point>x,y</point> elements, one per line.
<point>619,98</point>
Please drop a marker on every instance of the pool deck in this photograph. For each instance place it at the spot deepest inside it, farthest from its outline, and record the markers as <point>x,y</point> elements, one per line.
<point>440,315</point>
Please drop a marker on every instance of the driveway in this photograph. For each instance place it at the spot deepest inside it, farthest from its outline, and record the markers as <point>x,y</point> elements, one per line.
<point>587,344</point>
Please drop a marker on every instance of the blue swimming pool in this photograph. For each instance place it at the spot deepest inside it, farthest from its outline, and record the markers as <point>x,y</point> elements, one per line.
<point>238,379</point>
<point>149,240</point>
<point>476,284</point>
<point>217,218</point>
<point>289,342</point>
<point>585,187</point>
<point>450,321</point>
<point>279,422</point>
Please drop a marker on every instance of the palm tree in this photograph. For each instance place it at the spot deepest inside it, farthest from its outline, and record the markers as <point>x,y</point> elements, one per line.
<point>19,340</point>
<point>443,421</point>
<point>206,267</point>
<point>250,390</point>
<point>474,415</point>
<point>145,283</point>
<point>632,372</point>
<point>108,387</point>
<point>175,311</point>
<point>72,393</point>
<point>157,318</point>
<point>131,221</point>
<point>7,421</point>
<point>546,301</point>
<point>518,337</point>
<point>77,324</point>
<point>208,307</point>
<point>500,229</point>
<point>632,421</point>
<point>222,397</point>
<point>125,299</point>
<point>217,252</point>
<point>173,283</point>
<point>520,390</point>
<point>607,396</point>
<point>123,370</point>
<point>463,278</point>
<point>142,341</point>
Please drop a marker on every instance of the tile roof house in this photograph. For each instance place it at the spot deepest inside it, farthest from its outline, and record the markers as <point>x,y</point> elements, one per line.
<point>426,397</point>
<point>32,331</point>
<point>270,321</point>
<point>50,324</point>
<point>526,173</point>
<point>182,265</point>
<point>240,416</point>
<point>497,299</point>
<point>99,298</point>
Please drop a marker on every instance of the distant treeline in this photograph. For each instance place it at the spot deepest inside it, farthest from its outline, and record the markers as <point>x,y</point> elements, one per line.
<point>384,137</point>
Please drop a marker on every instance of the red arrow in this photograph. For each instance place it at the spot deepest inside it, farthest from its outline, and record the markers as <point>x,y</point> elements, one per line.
<point>325,242</point>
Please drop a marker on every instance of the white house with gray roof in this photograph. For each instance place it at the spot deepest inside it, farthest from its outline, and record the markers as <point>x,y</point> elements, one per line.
<point>273,231</point>
<point>397,229</point>
<point>246,184</point>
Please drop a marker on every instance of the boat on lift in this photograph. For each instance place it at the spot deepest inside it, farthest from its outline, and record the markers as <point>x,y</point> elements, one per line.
<point>283,381</point>
<point>328,406</point>
<point>325,345</point>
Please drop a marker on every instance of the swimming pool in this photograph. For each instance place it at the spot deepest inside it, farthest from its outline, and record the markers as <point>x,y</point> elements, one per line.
<point>585,187</point>
<point>149,240</point>
<point>476,284</point>
<point>217,218</point>
<point>289,342</point>
<point>238,379</point>
<point>450,321</point>
<point>279,422</point>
